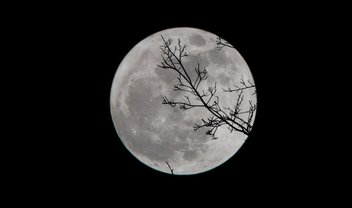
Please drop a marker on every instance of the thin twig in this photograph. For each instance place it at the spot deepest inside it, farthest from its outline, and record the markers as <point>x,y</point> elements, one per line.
<point>172,170</point>
<point>222,43</point>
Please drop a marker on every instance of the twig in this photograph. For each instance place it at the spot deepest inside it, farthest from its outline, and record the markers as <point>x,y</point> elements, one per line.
<point>222,43</point>
<point>172,170</point>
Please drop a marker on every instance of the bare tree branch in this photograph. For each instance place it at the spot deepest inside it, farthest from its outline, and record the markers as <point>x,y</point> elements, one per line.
<point>200,98</point>
<point>243,86</point>
<point>168,165</point>
<point>222,43</point>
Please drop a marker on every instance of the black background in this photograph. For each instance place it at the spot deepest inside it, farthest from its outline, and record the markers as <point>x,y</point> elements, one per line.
<point>77,150</point>
<point>268,158</point>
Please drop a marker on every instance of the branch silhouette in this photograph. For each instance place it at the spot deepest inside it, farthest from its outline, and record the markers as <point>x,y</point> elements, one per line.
<point>222,43</point>
<point>172,59</point>
<point>168,165</point>
<point>243,86</point>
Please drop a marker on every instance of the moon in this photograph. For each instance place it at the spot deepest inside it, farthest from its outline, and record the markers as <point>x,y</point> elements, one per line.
<point>158,134</point>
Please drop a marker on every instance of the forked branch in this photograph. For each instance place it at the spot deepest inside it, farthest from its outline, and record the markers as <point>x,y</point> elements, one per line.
<point>222,43</point>
<point>195,97</point>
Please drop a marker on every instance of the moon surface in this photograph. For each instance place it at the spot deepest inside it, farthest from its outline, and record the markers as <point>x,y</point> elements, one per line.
<point>154,132</point>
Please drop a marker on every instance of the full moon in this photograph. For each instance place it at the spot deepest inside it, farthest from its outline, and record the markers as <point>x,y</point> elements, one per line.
<point>162,136</point>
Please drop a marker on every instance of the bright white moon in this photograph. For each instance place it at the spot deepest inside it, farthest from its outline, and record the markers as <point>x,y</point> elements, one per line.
<point>154,132</point>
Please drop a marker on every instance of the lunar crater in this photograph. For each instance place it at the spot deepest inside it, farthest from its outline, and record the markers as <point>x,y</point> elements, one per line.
<point>197,40</point>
